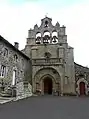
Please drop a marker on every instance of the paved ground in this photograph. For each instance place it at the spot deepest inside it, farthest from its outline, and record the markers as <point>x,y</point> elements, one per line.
<point>47,107</point>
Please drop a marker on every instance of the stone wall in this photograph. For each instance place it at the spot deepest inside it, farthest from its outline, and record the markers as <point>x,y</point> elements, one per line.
<point>81,75</point>
<point>13,60</point>
<point>81,71</point>
<point>23,91</point>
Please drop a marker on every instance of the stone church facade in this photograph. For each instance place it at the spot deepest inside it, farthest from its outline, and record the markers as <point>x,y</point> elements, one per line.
<point>53,67</point>
<point>48,62</point>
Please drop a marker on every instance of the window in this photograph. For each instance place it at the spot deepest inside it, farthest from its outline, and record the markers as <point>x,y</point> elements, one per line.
<point>3,70</point>
<point>14,78</point>
<point>15,57</point>
<point>5,52</point>
<point>22,63</point>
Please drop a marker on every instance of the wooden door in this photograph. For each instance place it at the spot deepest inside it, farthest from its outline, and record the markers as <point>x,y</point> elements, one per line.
<point>82,88</point>
<point>48,86</point>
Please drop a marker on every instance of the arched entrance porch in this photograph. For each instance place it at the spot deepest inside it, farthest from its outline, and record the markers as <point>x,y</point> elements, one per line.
<point>47,80</point>
<point>48,84</point>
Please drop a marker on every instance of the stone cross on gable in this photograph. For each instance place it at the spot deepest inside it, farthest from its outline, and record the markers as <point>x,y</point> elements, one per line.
<point>46,15</point>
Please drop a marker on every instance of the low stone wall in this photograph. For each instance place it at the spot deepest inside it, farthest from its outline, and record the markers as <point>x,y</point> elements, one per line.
<point>23,91</point>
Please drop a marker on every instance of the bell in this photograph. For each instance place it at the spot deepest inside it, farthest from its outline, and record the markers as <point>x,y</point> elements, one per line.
<point>45,39</point>
<point>38,40</point>
<point>54,40</point>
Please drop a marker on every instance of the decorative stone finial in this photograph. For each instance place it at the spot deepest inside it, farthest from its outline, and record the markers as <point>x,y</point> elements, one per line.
<point>36,26</point>
<point>46,14</point>
<point>57,24</point>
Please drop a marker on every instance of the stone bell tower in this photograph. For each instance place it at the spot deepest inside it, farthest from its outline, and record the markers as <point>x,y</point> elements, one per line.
<point>52,58</point>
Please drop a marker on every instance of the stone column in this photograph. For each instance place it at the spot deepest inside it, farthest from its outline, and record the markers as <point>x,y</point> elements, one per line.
<point>50,37</point>
<point>42,87</point>
<point>33,86</point>
<point>62,78</point>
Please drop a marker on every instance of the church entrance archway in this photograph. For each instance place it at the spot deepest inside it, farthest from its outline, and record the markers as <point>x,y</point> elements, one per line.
<point>47,80</point>
<point>82,88</point>
<point>48,85</point>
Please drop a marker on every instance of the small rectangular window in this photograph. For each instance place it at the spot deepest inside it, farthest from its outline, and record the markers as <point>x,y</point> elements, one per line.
<point>15,58</point>
<point>5,52</point>
<point>3,70</point>
<point>22,61</point>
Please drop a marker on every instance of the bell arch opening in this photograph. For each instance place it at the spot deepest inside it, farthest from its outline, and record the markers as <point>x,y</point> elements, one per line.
<point>46,37</point>
<point>54,37</point>
<point>38,38</point>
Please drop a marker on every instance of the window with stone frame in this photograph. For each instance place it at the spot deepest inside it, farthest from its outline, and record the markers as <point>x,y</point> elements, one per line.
<point>14,78</point>
<point>3,70</point>
<point>15,58</point>
<point>5,52</point>
<point>22,63</point>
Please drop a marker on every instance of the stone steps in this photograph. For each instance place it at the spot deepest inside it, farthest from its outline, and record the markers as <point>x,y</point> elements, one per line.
<point>5,100</point>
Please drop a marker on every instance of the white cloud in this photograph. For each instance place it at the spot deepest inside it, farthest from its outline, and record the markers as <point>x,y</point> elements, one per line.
<point>15,21</point>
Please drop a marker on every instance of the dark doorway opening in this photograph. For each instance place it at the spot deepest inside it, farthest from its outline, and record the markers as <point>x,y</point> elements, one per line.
<point>48,86</point>
<point>82,88</point>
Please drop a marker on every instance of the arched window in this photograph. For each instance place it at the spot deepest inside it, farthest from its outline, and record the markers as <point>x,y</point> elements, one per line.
<point>38,38</point>
<point>46,37</point>
<point>54,37</point>
<point>3,70</point>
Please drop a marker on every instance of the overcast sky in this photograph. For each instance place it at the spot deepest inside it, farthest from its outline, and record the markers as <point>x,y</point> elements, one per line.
<point>18,16</point>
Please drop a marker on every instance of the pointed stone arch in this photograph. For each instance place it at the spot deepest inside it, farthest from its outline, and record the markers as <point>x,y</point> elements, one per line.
<point>44,73</point>
<point>47,83</point>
